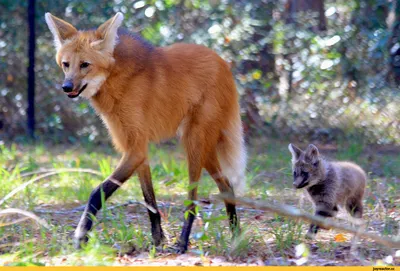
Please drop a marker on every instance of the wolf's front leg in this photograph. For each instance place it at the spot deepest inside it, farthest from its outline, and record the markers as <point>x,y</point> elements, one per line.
<point>124,170</point>
<point>324,210</point>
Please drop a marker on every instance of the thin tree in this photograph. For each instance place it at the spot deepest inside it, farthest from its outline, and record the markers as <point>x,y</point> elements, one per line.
<point>294,10</point>
<point>394,42</point>
<point>31,69</point>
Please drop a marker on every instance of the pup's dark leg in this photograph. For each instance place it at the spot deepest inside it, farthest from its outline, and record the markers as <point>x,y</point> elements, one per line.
<point>325,211</point>
<point>355,208</point>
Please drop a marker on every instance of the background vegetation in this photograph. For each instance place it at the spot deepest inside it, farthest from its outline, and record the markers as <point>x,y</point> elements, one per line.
<point>318,71</point>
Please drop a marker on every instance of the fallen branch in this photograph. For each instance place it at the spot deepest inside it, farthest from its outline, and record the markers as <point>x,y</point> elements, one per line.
<point>134,202</point>
<point>25,213</point>
<point>4,224</point>
<point>82,207</point>
<point>295,213</point>
<point>22,186</point>
<point>17,243</point>
<point>60,170</point>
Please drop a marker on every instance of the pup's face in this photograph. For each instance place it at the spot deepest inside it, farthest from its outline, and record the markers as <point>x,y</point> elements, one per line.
<point>306,166</point>
<point>84,56</point>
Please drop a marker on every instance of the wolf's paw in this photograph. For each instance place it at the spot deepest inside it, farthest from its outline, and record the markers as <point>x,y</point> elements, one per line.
<point>180,249</point>
<point>78,242</point>
<point>124,249</point>
<point>310,236</point>
<point>176,249</point>
<point>159,239</point>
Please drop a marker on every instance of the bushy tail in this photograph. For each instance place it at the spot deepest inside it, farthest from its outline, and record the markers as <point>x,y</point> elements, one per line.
<point>232,156</point>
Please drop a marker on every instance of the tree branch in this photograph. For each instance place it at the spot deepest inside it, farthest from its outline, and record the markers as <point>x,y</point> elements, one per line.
<point>295,213</point>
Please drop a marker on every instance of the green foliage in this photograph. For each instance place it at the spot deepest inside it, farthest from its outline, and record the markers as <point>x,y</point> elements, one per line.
<point>338,79</point>
<point>121,228</point>
<point>287,235</point>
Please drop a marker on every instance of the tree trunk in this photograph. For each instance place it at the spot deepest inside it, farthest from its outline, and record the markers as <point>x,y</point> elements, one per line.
<point>394,44</point>
<point>31,69</point>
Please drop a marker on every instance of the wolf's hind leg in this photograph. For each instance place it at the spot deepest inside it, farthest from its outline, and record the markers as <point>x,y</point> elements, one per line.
<point>355,208</point>
<point>214,169</point>
<point>150,199</point>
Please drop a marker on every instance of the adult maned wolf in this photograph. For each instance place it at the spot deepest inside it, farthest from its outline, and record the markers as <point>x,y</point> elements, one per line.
<point>146,94</point>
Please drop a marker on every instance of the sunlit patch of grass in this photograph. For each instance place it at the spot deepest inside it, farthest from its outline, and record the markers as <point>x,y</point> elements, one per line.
<point>213,236</point>
<point>94,253</point>
<point>130,234</point>
<point>286,235</point>
<point>390,165</point>
<point>268,169</point>
<point>351,152</point>
<point>124,229</point>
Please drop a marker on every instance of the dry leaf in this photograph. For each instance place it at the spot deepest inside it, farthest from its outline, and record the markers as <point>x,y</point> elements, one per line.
<point>340,238</point>
<point>227,40</point>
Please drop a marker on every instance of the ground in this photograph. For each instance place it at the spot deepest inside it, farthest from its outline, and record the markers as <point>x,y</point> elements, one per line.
<point>122,237</point>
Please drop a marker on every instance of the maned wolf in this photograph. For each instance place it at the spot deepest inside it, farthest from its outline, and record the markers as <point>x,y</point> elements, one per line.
<point>329,184</point>
<point>146,94</point>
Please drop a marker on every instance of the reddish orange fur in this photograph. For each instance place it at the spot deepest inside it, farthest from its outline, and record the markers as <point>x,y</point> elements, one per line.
<point>149,92</point>
<point>177,82</point>
<point>171,83</point>
<point>152,93</point>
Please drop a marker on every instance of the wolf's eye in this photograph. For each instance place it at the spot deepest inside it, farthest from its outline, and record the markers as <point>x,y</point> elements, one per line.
<point>305,175</point>
<point>65,64</point>
<point>85,65</point>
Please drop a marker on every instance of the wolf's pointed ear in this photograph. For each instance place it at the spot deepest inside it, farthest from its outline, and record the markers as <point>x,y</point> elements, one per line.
<point>312,153</point>
<point>60,29</point>
<point>107,33</point>
<point>296,152</point>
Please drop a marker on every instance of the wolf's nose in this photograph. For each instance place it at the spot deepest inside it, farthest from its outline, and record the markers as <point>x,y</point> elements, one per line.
<point>67,86</point>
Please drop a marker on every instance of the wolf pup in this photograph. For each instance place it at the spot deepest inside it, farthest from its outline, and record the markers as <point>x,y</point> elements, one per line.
<point>329,184</point>
<point>147,94</point>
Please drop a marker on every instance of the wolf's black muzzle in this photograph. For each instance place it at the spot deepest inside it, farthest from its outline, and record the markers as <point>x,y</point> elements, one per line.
<point>68,86</point>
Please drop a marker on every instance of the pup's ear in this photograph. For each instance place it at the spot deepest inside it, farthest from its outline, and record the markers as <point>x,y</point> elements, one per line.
<point>60,29</point>
<point>296,152</point>
<point>107,33</point>
<point>312,153</point>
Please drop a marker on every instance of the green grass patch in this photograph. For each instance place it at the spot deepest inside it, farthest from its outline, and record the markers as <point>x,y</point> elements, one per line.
<point>58,199</point>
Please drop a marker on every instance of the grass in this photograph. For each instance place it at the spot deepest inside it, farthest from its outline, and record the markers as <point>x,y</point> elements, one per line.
<point>265,238</point>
